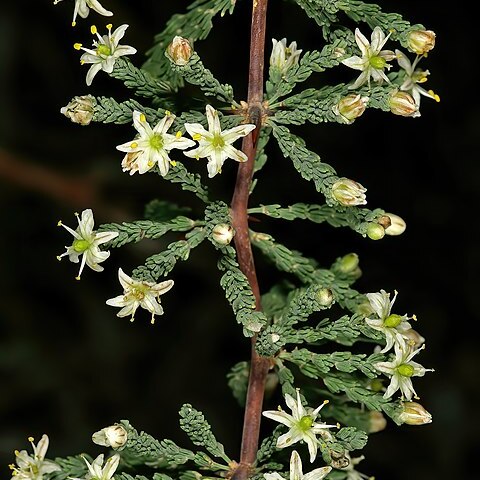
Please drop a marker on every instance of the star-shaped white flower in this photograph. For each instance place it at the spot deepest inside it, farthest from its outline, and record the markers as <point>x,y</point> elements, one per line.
<point>98,471</point>
<point>86,243</point>
<point>296,471</point>
<point>151,146</point>
<point>393,326</point>
<point>414,76</point>
<point>301,424</point>
<point>139,294</point>
<point>401,370</point>
<point>33,467</point>
<point>373,60</point>
<point>215,144</point>
<point>82,8</point>
<point>104,51</point>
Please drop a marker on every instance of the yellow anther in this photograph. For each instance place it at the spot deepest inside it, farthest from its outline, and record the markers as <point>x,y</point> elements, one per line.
<point>11,466</point>
<point>414,317</point>
<point>173,163</point>
<point>134,145</point>
<point>422,80</point>
<point>82,62</point>
<point>59,258</point>
<point>132,319</point>
<point>151,164</point>
<point>93,29</point>
<point>109,26</point>
<point>152,321</point>
<point>178,134</point>
<point>77,46</point>
<point>143,118</point>
<point>76,214</point>
<point>59,224</point>
<point>77,278</point>
<point>338,425</point>
<point>326,401</point>
<point>168,113</point>
<point>434,95</point>
<point>30,439</point>
<point>74,23</point>
<point>16,452</point>
<point>197,136</point>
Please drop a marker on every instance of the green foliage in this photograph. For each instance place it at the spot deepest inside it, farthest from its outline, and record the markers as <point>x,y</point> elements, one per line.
<point>238,381</point>
<point>136,231</point>
<point>139,80</point>
<point>108,110</point>
<point>239,294</point>
<point>163,210</point>
<point>70,467</point>
<point>195,73</point>
<point>190,182</point>
<point>193,25</point>
<point>269,445</point>
<point>193,423</point>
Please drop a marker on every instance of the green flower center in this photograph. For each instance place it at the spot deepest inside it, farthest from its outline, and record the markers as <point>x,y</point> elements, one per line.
<point>405,370</point>
<point>156,141</point>
<point>377,62</point>
<point>104,50</point>
<point>393,320</point>
<point>138,292</point>
<point>305,423</point>
<point>218,142</point>
<point>80,245</point>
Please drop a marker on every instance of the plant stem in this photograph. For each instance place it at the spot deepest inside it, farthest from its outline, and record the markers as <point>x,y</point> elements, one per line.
<point>259,365</point>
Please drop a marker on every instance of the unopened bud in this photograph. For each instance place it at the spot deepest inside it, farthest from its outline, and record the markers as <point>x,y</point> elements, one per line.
<point>222,233</point>
<point>403,104</point>
<point>350,107</point>
<point>114,436</point>
<point>79,110</point>
<point>384,220</point>
<point>414,338</point>
<point>324,297</point>
<point>339,52</point>
<point>414,414</point>
<point>349,263</point>
<point>397,226</point>
<point>375,385</point>
<point>349,193</point>
<point>377,422</point>
<point>179,51</point>
<point>375,231</point>
<point>284,57</point>
<point>421,41</point>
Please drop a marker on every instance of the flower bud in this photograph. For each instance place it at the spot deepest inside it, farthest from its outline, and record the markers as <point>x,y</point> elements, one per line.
<point>375,231</point>
<point>377,422</point>
<point>414,338</point>
<point>350,107</point>
<point>414,414</point>
<point>349,263</point>
<point>179,51</point>
<point>384,220</point>
<point>339,52</point>
<point>284,57</point>
<point>403,104</point>
<point>397,226</point>
<point>222,233</point>
<point>421,41</point>
<point>79,110</point>
<point>114,436</point>
<point>349,193</point>
<point>324,297</point>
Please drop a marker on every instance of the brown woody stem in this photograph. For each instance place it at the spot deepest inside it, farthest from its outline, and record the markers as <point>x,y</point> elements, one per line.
<point>259,365</point>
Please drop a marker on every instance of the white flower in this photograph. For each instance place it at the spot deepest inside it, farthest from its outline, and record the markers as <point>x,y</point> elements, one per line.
<point>296,472</point>
<point>373,60</point>
<point>33,467</point>
<point>114,436</point>
<point>86,243</point>
<point>352,474</point>
<point>151,146</point>
<point>301,423</point>
<point>97,472</point>
<point>414,76</point>
<point>105,51</point>
<point>348,192</point>
<point>284,57</point>
<point>215,144</point>
<point>393,326</point>
<point>139,294</point>
<point>401,369</point>
<point>82,8</point>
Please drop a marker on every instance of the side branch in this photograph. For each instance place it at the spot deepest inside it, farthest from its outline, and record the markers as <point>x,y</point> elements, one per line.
<point>259,365</point>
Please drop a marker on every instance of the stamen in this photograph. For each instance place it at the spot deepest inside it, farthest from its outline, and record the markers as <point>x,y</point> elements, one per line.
<point>168,113</point>
<point>77,278</point>
<point>74,23</point>
<point>93,30</point>
<point>59,224</point>
<point>77,46</point>
<point>134,145</point>
<point>109,26</point>
<point>197,136</point>
<point>178,134</point>
<point>143,118</point>
<point>173,163</point>
<point>30,439</point>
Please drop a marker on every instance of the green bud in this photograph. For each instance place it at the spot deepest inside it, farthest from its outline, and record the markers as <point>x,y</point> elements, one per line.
<point>349,263</point>
<point>393,320</point>
<point>375,231</point>
<point>376,385</point>
<point>324,297</point>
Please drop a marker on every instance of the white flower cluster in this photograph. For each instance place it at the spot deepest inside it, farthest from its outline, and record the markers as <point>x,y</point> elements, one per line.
<point>304,427</point>
<point>405,341</point>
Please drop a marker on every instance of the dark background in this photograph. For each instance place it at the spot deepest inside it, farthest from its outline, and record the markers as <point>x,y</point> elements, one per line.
<point>69,366</point>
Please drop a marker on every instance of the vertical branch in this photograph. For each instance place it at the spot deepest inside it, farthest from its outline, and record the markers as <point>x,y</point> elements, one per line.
<point>259,365</point>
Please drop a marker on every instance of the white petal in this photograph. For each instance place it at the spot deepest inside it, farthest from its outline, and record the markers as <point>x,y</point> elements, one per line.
<point>289,438</point>
<point>163,287</point>
<point>279,416</point>
<point>378,40</point>
<point>95,5</point>
<point>361,80</point>
<point>273,476</point>
<point>296,472</point>
<point>94,69</point>
<point>118,301</point>
<point>291,403</point>
<point>310,439</point>
<point>126,281</point>
<point>362,42</point>
<point>123,50</point>
<point>42,447</point>
<point>141,125</point>
<point>234,154</point>
<point>213,121</point>
<point>110,466</point>
<point>393,387</point>
<point>355,62</point>
<point>229,136</point>
<point>318,473</point>
<point>118,34</point>
<point>196,129</point>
